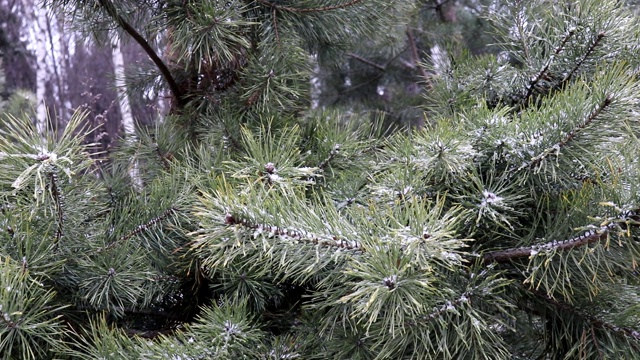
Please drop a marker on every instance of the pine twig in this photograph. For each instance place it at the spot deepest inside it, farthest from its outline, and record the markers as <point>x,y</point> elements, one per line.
<point>366,61</point>
<point>450,305</point>
<point>543,72</point>
<point>535,161</point>
<point>59,201</point>
<point>583,59</point>
<point>148,224</point>
<point>163,158</point>
<point>332,154</point>
<point>275,24</point>
<point>300,235</point>
<point>416,58</point>
<point>141,228</point>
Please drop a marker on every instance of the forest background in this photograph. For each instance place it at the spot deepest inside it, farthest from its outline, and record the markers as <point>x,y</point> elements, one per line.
<point>47,63</point>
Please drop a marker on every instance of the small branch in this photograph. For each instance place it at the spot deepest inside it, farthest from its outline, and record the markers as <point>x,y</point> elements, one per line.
<point>162,67</point>
<point>163,159</point>
<point>368,62</point>
<point>416,58</point>
<point>543,72</point>
<point>309,10</point>
<point>300,235</point>
<point>5,318</point>
<point>438,8</point>
<point>148,224</point>
<point>450,305</point>
<point>232,140</point>
<point>324,163</point>
<point>584,58</point>
<point>59,200</point>
<point>438,4</point>
<point>141,228</point>
<point>589,237</point>
<point>275,24</point>
<point>535,161</point>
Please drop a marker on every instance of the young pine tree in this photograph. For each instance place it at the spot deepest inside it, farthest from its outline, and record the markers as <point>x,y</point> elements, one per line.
<point>505,228</point>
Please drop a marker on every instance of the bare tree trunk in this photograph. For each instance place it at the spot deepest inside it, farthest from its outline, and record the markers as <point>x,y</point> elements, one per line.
<point>121,87</point>
<point>43,73</point>
<point>123,102</point>
<point>57,80</point>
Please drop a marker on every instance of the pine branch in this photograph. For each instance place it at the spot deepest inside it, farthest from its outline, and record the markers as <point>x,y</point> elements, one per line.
<point>141,228</point>
<point>543,72</point>
<point>59,203</point>
<point>325,162</point>
<point>300,235</point>
<point>163,158</point>
<point>583,59</point>
<point>535,161</point>
<point>563,307</point>
<point>5,319</point>
<point>148,224</point>
<point>275,24</point>
<point>133,311</point>
<point>162,67</point>
<point>438,8</point>
<point>368,62</point>
<point>589,237</point>
<point>308,10</point>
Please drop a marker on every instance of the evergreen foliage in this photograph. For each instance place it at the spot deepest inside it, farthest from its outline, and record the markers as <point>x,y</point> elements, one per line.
<point>504,228</point>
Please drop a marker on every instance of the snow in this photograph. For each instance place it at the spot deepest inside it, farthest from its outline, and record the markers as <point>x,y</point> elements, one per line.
<point>489,198</point>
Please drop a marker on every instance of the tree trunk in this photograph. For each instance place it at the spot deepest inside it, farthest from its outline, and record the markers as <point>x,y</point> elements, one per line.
<point>43,68</point>
<point>123,102</point>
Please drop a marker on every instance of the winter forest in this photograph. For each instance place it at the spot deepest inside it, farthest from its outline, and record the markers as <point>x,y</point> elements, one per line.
<point>319,179</point>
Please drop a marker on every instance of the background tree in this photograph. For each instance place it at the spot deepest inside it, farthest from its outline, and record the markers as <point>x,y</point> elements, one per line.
<point>506,227</point>
<point>382,74</point>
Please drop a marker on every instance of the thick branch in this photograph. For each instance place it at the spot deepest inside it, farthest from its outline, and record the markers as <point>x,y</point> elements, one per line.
<point>162,67</point>
<point>589,237</point>
<point>308,10</point>
<point>508,255</point>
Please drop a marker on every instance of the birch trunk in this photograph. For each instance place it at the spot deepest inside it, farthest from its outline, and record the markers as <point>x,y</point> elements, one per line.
<point>43,73</point>
<point>123,103</point>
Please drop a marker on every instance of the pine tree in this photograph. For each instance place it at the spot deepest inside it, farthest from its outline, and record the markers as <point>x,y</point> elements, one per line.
<point>505,228</point>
